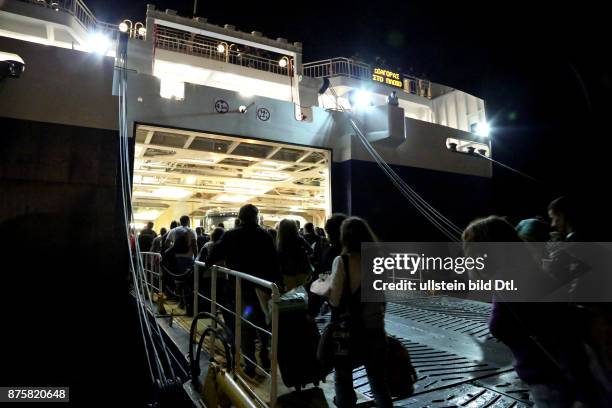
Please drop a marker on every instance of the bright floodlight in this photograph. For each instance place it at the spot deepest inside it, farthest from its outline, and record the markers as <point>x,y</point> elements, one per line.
<point>123,27</point>
<point>483,129</point>
<point>282,62</point>
<point>220,48</point>
<point>142,31</point>
<point>99,43</point>
<point>362,99</point>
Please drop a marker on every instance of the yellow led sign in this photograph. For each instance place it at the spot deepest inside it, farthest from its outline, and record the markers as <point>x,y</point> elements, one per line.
<point>387,77</point>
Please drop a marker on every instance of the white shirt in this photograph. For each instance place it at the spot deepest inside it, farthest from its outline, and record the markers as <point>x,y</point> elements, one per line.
<point>338,275</point>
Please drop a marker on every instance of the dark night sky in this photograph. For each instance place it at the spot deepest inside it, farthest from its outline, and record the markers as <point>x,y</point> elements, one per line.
<point>543,71</point>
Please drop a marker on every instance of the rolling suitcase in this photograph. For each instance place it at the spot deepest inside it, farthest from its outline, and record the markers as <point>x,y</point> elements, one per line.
<point>298,339</point>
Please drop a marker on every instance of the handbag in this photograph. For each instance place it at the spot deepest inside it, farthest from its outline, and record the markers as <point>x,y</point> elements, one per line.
<point>335,343</point>
<point>401,375</point>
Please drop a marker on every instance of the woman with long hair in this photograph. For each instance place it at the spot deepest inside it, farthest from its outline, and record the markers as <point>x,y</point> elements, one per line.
<point>367,319</point>
<point>293,255</point>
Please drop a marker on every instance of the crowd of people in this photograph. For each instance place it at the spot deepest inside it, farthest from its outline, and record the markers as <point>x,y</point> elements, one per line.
<point>562,351</point>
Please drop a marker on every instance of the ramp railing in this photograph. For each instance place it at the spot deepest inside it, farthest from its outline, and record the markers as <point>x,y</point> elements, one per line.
<point>240,312</point>
<point>151,263</point>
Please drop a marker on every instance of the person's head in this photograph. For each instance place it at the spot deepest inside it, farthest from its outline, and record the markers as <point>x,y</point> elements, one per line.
<point>150,225</point>
<point>199,231</point>
<point>287,233</point>
<point>563,214</point>
<point>163,231</point>
<point>173,225</point>
<point>332,227</point>
<point>248,214</point>
<point>533,230</point>
<point>217,234</point>
<point>272,233</point>
<point>309,228</point>
<point>353,232</point>
<point>320,232</point>
<point>221,225</point>
<point>297,222</point>
<point>489,229</point>
<point>236,222</point>
<point>184,220</point>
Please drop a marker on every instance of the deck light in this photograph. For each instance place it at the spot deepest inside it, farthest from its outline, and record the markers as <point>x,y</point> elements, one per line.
<point>282,62</point>
<point>123,27</point>
<point>483,129</point>
<point>142,31</point>
<point>361,99</point>
<point>99,43</point>
<point>221,48</point>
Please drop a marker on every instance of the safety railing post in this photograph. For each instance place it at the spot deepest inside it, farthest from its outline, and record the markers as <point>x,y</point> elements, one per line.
<point>159,277</point>
<point>274,346</point>
<point>196,288</point>
<point>238,323</point>
<point>213,295</point>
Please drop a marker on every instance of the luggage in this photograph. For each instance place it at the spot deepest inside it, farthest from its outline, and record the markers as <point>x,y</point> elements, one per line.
<point>298,338</point>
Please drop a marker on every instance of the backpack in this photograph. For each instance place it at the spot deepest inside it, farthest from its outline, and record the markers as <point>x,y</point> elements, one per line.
<point>181,241</point>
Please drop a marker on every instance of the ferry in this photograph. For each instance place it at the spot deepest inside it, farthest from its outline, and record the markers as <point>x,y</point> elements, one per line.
<point>146,121</point>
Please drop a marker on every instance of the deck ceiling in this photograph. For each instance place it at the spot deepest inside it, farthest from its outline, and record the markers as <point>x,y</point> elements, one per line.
<point>212,171</point>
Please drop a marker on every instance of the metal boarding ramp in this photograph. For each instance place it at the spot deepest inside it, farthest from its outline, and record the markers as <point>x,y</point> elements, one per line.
<point>457,360</point>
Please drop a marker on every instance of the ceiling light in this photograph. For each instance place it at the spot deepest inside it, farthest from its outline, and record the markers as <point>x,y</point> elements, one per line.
<point>229,198</point>
<point>483,129</point>
<point>361,99</point>
<point>147,215</point>
<point>191,179</point>
<point>99,43</point>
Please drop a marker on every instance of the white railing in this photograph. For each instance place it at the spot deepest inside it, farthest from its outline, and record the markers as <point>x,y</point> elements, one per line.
<point>350,68</point>
<point>239,277</point>
<point>338,67</point>
<point>192,44</point>
<point>151,263</point>
<point>80,11</point>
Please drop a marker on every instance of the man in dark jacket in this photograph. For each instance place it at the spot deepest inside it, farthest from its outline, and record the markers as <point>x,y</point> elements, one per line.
<point>146,237</point>
<point>250,249</point>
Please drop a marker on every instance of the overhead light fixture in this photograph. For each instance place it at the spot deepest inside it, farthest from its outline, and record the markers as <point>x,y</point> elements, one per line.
<point>147,215</point>
<point>170,88</point>
<point>231,198</point>
<point>142,31</point>
<point>123,27</point>
<point>282,62</point>
<point>171,193</point>
<point>482,129</point>
<point>221,48</point>
<point>99,43</point>
<point>197,161</point>
<point>361,99</point>
<point>191,179</point>
<point>274,175</point>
